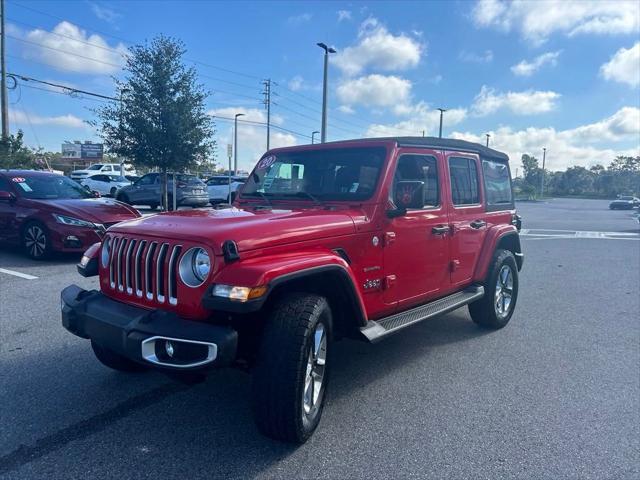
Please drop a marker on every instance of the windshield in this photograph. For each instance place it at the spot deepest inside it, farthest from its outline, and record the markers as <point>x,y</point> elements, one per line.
<point>49,187</point>
<point>115,178</point>
<point>95,167</point>
<point>327,174</point>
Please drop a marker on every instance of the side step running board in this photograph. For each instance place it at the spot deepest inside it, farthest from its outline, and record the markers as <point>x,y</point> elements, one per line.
<point>376,330</point>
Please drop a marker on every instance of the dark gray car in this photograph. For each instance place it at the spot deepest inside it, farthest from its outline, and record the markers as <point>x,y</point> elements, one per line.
<point>190,191</point>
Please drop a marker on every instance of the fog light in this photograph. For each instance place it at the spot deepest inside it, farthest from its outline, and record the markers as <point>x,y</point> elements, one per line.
<point>168,346</point>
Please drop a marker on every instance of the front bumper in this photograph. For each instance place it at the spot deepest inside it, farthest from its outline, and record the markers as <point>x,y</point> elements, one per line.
<point>141,335</point>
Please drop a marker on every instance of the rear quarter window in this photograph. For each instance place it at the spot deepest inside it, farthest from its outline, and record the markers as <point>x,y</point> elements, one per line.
<point>497,185</point>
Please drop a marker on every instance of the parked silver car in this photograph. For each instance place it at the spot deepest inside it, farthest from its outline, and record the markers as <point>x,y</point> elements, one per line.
<point>147,191</point>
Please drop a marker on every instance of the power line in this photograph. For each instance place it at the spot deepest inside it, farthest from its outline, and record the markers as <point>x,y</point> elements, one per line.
<point>63,87</point>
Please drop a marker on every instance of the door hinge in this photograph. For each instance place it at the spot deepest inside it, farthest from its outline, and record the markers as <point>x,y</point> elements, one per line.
<point>389,281</point>
<point>389,238</point>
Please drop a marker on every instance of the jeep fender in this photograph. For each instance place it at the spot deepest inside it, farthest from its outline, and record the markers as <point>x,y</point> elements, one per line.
<point>500,236</point>
<point>276,271</point>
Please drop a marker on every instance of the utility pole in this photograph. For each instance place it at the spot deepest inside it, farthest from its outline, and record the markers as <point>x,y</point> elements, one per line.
<point>235,143</point>
<point>3,79</point>
<point>267,104</point>
<point>488,136</point>
<point>323,129</point>
<point>544,157</point>
<point>313,136</point>
<point>423,133</point>
<point>442,110</point>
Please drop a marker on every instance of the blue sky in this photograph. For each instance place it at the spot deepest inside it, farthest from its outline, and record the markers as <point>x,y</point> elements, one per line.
<point>556,74</point>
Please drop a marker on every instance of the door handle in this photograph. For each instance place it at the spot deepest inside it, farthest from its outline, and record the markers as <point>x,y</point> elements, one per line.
<point>440,230</point>
<point>478,224</point>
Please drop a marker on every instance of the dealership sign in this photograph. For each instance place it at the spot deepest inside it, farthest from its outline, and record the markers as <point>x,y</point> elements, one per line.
<point>82,151</point>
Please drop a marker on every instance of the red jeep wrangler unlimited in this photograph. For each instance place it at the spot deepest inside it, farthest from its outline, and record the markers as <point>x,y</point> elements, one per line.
<point>352,239</point>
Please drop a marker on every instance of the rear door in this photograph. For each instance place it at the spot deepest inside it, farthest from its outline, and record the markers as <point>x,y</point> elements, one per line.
<point>142,190</point>
<point>467,215</point>
<point>416,245</point>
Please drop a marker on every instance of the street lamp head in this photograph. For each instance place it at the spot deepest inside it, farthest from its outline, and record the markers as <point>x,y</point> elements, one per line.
<point>326,48</point>
<point>239,115</point>
<point>442,110</point>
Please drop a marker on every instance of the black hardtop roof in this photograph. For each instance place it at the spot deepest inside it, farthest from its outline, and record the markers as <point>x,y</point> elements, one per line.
<point>436,143</point>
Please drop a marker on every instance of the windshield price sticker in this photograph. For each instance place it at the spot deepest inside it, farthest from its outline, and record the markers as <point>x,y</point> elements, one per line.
<point>18,179</point>
<point>266,162</point>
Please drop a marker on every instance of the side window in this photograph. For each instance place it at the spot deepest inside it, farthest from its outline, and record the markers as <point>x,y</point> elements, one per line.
<point>420,168</point>
<point>107,168</point>
<point>497,183</point>
<point>464,181</point>
<point>147,180</point>
<point>4,185</point>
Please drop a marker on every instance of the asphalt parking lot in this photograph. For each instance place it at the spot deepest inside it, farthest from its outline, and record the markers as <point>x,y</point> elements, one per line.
<point>556,394</point>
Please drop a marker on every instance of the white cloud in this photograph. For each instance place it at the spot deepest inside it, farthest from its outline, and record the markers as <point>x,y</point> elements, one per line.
<point>529,102</point>
<point>104,13</point>
<point>472,57</point>
<point>252,139</point>
<point>537,20</point>
<point>422,118</point>
<point>344,15</point>
<point>299,19</point>
<point>375,91</point>
<point>69,48</point>
<point>624,66</point>
<point>346,109</point>
<point>71,121</point>
<point>565,148</point>
<point>378,48</point>
<point>296,82</point>
<point>526,69</point>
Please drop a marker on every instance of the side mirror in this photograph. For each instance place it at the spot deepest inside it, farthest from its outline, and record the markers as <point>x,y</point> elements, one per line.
<point>6,196</point>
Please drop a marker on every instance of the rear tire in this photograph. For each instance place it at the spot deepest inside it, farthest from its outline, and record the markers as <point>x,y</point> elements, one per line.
<point>36,241</point>
<point>495,309</point>
<point>289,382</point>
<point>111,359</point>
<point>153,206</point>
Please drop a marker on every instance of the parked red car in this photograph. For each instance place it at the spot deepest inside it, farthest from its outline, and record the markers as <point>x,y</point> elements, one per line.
<point>356,239</point>
<point>45,212</point>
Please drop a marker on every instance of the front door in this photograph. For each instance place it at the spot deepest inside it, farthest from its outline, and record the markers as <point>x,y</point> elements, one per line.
<point>467,215</point>
<point>9,231</point>
<point>416,245</point>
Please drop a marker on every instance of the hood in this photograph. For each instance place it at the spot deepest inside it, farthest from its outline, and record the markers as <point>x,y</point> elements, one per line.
<point>96,210</point>
<point>250,229</point>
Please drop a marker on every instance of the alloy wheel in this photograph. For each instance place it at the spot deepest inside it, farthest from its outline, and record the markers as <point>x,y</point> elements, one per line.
<point>314,377</point>
<point>35,241</point>
<point>504,292</point>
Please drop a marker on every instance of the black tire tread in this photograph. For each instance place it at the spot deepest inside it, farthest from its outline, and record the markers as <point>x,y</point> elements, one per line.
<point>482,311</point>
<point>276,396</point>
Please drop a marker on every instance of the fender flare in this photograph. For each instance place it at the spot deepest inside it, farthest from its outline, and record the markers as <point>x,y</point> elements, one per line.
<point>492,239</point>
<point>276,271</point>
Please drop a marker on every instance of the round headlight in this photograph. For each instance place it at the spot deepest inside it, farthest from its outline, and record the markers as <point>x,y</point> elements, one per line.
<point>201,264</point>
<point>106,250</point>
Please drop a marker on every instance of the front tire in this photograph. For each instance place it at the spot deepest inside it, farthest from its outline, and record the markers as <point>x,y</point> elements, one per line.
<point>289,382</point>
<point>111,359</point>
<point>122,197</point>
<point>113,191</point>
<point>36,241</point>
<point>495,309</point>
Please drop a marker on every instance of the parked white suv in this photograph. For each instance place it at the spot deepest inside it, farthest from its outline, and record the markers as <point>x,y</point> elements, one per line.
<point>106,168</point>
<point>218,188</point>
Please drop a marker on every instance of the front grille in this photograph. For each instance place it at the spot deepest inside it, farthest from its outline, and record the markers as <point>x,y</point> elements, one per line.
<point>144,269</point>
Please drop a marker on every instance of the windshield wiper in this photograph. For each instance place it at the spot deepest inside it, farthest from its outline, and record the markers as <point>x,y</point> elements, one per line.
<point>303,193</point>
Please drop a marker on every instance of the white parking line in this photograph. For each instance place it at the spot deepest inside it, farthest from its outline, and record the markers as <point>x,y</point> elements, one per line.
<point>17,274</point>
<point>542,234</point>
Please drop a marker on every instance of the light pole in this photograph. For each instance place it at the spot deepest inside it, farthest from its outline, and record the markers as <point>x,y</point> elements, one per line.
<point>235,142</point>
<point>488,136</point>
<point>122,92</point>
<point>313,136</point>
<point>544,157</point>
<point>327,51</point>
<point>442,110</point>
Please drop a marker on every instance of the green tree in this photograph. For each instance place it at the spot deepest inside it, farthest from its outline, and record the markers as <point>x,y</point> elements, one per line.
<point>14,153</point>
<point>161,121</point>
<point>532,173</point>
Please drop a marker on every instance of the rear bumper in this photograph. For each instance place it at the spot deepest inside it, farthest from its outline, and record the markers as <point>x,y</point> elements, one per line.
<point>141,335</point>
<point>193,201</point>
